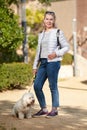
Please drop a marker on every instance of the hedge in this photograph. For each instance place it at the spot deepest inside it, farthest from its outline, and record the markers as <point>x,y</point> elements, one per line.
<point>18,75</point>
<point>15,75</point>
<point>67,59</point>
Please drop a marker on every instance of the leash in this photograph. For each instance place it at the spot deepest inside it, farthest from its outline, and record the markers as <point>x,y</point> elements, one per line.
<point>32,83</point>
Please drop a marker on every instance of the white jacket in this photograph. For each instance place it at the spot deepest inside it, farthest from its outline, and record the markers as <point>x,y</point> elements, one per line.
<point>52,46</point>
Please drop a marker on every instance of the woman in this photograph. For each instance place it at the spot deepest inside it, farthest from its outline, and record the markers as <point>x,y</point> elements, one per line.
<point>49,55</point>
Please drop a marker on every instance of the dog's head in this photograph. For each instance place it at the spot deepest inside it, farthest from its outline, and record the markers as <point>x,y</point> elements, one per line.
<point>28,99</point>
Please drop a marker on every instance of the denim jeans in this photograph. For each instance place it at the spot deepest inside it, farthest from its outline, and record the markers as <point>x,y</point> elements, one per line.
<point>47,70</point>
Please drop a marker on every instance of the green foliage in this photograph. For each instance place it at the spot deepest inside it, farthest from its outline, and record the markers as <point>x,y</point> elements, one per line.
<point>13,1</point>
<point>47,2</point>
<point>11,35</point>
<point>9,57</point>
<point>67,59</point>
<point>33,41</point>
<point>34,19</point>
<point>16,75</point>
<point>10,32</point>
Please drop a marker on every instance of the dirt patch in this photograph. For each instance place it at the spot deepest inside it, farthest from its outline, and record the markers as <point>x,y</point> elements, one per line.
<point>72,112</point>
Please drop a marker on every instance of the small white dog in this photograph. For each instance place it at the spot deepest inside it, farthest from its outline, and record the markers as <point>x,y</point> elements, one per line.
<point>22,108</point>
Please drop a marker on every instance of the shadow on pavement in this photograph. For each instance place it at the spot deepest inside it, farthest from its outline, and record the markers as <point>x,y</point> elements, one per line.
<point>84,82</point>
<point>69,118</point>
<point>73,88</point>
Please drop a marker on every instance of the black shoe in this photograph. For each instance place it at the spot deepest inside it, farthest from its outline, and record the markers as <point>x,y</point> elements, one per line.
<point>40,113</point>
<point>52,114</point>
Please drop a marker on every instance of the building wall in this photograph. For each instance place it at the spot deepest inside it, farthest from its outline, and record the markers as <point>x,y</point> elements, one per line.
<point>65,13</point>
<point>82,26</point>
<point>81,14</point>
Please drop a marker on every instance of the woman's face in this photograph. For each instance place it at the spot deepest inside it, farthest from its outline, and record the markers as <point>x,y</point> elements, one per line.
<point>49,21</point>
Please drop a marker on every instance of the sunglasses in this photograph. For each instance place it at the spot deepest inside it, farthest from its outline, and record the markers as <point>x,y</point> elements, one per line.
<point>49,12</point>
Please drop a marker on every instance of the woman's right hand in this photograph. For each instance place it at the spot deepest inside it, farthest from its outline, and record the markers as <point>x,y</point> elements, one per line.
<point>34,71</point>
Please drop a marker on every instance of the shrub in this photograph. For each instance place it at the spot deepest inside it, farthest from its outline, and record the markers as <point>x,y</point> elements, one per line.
<point>32,41</point>
<point>11,34</point>
<point>16,75</point>
<point>67,59</point>
<point>9,57</point>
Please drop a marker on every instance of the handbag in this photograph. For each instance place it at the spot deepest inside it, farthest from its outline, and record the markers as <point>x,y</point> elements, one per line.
<point>58,42</point>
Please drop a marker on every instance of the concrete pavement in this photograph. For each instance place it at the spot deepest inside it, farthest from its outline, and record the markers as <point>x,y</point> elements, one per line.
<point>72,91</point>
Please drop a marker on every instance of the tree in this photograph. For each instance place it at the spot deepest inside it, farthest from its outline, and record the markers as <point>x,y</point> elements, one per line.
<point>12,1</point>
<point>34,19</point>
<point>16,2</point>
<point>45,1</point>
<point>11,35</point>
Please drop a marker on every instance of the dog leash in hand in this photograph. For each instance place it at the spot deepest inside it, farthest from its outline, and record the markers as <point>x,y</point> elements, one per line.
<point>32,83</point>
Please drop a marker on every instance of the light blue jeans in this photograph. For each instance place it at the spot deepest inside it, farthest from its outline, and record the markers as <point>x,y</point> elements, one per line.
<point>47,70</point>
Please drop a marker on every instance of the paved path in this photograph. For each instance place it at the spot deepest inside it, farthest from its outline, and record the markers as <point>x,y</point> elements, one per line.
<point>72,112</point>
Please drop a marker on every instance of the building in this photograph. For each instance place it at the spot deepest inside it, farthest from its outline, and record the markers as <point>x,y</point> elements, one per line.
<point>66,12</point>
<point>82,26</point>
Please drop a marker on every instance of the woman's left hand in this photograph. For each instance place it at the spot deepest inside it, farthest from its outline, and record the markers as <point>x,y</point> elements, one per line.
<point>52,56</point>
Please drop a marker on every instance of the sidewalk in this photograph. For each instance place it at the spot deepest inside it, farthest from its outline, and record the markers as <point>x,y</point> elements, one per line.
<point>72,112</point>
<point>73,92</point>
